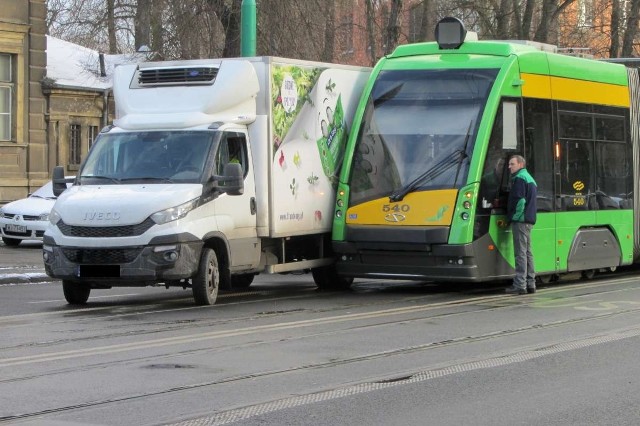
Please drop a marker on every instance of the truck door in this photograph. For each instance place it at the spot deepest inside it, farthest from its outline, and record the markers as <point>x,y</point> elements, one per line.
<point>236,214</point>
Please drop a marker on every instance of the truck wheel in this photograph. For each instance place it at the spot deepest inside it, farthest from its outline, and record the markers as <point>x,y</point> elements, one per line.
<point>11,241</point>
<point>242,281</point>
<point>75,293</point>
<point>326,278</point>
<point>207,281</point>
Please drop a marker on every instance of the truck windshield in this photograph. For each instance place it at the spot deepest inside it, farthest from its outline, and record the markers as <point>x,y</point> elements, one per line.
<point>150,157</point>
<point>417,131</point>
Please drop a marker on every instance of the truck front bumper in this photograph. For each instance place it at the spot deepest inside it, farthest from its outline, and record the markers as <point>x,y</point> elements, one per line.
<point>164,259</point>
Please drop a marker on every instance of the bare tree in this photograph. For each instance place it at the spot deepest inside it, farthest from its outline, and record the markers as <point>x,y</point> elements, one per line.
<point>547,29</point>
<point>631,29</point>
<point>428,20</point>
<point>392,30</point>
<point>370,19</point>
<point>614,46</point>
<point>329,30</point>
<point>142,24</point>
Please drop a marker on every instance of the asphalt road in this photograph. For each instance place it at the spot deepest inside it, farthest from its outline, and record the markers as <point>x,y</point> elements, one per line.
<point>385,353</point>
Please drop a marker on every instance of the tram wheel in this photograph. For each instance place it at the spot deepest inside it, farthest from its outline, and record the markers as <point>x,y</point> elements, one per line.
<point>588,274</point>
<point>545,279</point>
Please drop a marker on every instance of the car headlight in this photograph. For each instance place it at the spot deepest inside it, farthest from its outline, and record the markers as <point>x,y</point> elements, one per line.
<point>1,212</point>
<point>44,216</point>
<point>54,217</point>
<point>174,213</point>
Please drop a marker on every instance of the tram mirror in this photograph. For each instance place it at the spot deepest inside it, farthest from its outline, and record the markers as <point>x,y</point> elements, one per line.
<point>509,125</point>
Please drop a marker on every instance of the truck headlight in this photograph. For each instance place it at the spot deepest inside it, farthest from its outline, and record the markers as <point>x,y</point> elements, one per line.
<point>174,213</point>
<point>54,217</point>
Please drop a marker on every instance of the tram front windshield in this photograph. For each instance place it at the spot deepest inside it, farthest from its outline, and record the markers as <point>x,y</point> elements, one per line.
<point>417,131</point>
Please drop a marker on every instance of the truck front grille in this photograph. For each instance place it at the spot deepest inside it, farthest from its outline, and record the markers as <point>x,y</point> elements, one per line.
<point>105,231</point>
<point>101,256</point>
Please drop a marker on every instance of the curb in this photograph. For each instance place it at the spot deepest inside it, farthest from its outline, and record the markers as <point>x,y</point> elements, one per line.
<point>22,278</point>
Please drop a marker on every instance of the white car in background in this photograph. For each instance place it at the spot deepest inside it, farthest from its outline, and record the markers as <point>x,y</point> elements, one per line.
<point>28,218</point>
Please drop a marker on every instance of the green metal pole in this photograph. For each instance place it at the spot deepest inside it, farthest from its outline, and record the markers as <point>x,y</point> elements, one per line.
<point>248,25</point>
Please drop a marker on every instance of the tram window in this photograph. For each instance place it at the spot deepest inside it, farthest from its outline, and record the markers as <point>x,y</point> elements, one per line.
<point>575,126</point>
<point>510,125</point>
<point>577,166</point>
<point>610,128</point>
<point>613,175</point>
<point>539,151</point>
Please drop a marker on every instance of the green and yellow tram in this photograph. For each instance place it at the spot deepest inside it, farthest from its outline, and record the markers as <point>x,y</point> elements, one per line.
<point>423,185</point>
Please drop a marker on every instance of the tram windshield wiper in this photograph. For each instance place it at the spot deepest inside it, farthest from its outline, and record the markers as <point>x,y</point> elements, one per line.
<point>454,158</point>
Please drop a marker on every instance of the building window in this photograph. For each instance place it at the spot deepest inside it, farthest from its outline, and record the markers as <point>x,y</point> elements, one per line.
<point>75,144</point>
<point>93,134</point>
<point>6,101</point>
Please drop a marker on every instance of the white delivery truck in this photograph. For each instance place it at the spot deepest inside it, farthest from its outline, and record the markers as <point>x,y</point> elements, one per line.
<point>214,171</point>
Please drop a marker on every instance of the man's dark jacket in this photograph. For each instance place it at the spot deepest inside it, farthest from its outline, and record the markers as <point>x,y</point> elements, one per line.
<point>521,206</point>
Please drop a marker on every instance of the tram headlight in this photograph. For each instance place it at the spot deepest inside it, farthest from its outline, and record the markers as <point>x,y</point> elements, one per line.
<point>466,205</point>
<point>464,216</point>
<point>338,214</point>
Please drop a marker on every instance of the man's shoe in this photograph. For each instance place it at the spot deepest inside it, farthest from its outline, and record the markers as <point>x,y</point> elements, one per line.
<point>531,289</point>
<point>515,290</point>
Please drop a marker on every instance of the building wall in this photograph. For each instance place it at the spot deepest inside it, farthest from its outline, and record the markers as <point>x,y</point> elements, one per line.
<point>75,118</point>
<point>24,162</point>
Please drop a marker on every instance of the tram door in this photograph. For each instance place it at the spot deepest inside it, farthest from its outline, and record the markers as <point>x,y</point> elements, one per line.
<point>539,154</point>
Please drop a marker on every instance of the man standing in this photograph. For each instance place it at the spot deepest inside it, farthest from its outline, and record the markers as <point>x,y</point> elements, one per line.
<point>521,213</point>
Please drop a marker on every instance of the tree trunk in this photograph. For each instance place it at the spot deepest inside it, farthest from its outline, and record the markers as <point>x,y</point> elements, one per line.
<point>614,47</point>
<point>502,21</point>
<point>111,27</point>
<point>371,37</point>
<point>157,30</point>
<point>392,32</point>
<point>631,30</point>
<point>427,29</point>
<point>142,24</point>
<point>527,17</point>
<point>330,31</point>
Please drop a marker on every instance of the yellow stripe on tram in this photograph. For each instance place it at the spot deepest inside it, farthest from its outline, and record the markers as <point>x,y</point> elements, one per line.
<point>572,90</point>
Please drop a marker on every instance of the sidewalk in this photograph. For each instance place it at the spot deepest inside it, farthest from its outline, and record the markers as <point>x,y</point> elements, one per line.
<point>22,264</point>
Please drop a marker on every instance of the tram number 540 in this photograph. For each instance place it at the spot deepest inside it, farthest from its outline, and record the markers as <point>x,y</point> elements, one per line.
<point>396,208</point>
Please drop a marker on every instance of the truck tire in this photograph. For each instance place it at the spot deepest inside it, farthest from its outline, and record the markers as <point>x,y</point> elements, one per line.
<point>241,281</point>
<point>11,241</point>
<point>326,278</point>
<point>75,293</point>
<point>206,283</point>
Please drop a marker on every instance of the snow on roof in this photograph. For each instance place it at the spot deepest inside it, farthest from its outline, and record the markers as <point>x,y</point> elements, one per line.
<point>74,66</point>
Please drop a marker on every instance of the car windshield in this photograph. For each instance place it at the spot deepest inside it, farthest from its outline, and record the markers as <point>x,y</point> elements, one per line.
<point>417,130</point>
<point>149,157</point>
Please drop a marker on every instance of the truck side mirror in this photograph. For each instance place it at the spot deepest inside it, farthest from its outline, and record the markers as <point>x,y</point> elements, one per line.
<point>232,182</point>
<point>59,181</point>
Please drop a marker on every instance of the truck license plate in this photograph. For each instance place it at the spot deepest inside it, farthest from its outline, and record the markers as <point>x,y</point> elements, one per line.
<point>15,228</point>
<point>98,271</point>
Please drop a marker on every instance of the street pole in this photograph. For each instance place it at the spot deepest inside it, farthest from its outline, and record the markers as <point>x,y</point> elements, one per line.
<point>248,28</point>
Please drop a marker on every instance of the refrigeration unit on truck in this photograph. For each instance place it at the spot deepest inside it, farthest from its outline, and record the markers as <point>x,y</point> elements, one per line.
<point>214,171</point>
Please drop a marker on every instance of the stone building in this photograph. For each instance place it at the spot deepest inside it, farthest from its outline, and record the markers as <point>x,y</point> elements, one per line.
<point>79,99</point>
<point>24,163</point>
